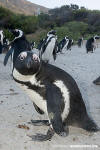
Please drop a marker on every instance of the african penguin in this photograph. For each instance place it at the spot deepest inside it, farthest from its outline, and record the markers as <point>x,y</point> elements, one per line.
<point>53,92</point>
<point>1,40</point>
<point>63,44</point>
<point>90,47</point>
<point>70,43</point>
<point>48,47</point>
<point>80,42</point>
<point>18,45</point>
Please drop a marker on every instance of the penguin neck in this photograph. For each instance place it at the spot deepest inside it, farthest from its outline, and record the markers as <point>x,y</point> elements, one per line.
<point>43,71</point>
<point>22,78</point>
<point>19,38</point>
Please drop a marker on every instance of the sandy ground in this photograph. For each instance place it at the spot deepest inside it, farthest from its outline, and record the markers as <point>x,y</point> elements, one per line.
<point>16,108</point>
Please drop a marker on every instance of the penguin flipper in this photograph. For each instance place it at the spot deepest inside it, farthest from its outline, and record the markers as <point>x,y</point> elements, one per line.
<point>39,122</point>
<point>7,56</point>
<point>38,109</point>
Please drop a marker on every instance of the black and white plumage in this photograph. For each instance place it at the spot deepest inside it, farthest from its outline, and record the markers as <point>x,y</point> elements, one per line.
<point>53,92</point>
<point>97,81</point>
<point>18,45</point>
<point>48,47</point>
<point>6,45</point>
<point>32,45</point>
<point>1,40</point>
<point>90,47</point>
<point>70,43</point>
<point>63,44</point>
<point>80,42</point>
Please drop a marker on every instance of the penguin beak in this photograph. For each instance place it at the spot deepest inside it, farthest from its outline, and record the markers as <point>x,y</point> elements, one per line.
<point>29,63</point>
<point>7,56</point>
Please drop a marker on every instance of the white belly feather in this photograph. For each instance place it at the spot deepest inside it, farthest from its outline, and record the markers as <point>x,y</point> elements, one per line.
<point>35,97</point>
<point>65,93</point>
<point>47,55</point>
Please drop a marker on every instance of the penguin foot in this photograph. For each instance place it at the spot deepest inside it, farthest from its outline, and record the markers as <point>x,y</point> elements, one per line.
<point>42,137</point>
<point>63,134</point>
<point>39,122</point>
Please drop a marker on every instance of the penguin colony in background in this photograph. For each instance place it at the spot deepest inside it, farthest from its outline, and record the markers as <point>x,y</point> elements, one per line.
<point>52,90</point>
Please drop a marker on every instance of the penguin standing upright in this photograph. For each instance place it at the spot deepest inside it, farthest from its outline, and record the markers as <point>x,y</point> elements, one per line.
<point>70,43</point>
<point>80,42</point>
<point>1,41</point>
<point>18,45</point>
<point>90,47</point>
<point>55,93</point>
<point>48,48</point>
<point>63,44</point>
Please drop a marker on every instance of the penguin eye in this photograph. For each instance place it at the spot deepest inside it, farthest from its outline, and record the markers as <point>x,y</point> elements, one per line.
<point>23,55</point>
<point>22,58</point>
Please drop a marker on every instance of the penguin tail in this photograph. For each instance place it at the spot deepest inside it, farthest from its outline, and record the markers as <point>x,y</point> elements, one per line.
<point>97,81</point>
<point>90,126</point>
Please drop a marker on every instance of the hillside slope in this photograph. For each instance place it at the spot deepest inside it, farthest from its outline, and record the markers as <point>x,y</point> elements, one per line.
<point>23,7</point>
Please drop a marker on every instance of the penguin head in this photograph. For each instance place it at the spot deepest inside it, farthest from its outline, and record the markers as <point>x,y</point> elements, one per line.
<point>17,33</point>
<point>27,63</point>
<point>52,32</point>
<point>96,37</point>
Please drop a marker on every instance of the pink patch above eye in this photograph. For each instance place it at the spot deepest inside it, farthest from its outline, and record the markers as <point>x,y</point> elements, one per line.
<point>36,58</point>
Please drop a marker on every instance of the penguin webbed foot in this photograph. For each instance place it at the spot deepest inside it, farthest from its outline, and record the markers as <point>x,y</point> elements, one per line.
<point>39,122</point>
<point>42,137</point>
<point>63,134</point>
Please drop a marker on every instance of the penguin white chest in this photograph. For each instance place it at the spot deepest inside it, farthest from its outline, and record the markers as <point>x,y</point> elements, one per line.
<point>47,55</point>
<point>35,97</point>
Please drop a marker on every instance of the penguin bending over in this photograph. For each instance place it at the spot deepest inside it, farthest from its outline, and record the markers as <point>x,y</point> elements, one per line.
<point>55,93</point>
